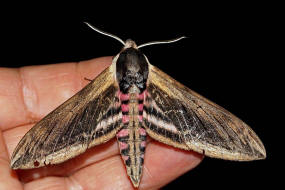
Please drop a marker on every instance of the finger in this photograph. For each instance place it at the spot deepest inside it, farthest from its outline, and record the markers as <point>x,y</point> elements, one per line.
<point>90,157</point>
<point>162,165</point>
<point>8,178</point>
<point>87,178</point>
<point>14,135</point>
<point>47,183</point>
<point>29,93</point>
<point>12,112</point>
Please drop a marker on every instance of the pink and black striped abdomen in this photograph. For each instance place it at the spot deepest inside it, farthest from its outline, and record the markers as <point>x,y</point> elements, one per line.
<point>132,136</point>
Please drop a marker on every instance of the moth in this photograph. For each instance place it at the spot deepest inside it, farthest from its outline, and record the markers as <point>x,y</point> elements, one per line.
<point>130,100</point>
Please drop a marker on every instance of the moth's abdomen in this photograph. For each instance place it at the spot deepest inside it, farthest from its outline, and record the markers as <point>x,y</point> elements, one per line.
<point>132,136</point>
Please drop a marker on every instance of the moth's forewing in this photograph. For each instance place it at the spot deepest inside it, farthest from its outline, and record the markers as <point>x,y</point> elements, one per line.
<point>177,116</point>
<point>79,123</point>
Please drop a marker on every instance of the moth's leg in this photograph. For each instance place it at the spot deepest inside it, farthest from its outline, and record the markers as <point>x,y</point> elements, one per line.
<point>87,79</point>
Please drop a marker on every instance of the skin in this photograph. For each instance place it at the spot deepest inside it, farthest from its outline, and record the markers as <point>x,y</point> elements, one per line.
<point>29,93</point>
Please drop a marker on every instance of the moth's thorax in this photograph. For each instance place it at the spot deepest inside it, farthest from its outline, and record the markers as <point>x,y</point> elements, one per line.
<point>132,71</point>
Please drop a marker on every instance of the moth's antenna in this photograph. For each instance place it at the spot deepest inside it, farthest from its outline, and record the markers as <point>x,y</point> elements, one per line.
<point>161,42</point>
<point>105,33</point>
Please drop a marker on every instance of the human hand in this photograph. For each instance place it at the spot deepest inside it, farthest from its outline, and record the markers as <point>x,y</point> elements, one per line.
<point>29,93</point>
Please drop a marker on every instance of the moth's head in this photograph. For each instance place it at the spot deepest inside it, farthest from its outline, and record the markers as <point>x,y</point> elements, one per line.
<point>130,44</point>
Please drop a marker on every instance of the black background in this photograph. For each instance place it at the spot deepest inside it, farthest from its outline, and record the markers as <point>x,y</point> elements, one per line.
<point>227,58</point>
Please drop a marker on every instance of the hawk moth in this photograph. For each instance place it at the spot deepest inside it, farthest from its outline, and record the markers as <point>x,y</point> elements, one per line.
<point>130,100</point>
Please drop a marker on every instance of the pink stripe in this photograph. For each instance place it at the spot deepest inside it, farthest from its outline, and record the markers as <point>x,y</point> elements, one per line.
<point>125,157</point>
<point>123,133</point>
<point>124,96</point>
<point>140,107</point>
<point>125,107</point>
<point>123,145</point>
<point>142,131</point>
<point>126,118</point>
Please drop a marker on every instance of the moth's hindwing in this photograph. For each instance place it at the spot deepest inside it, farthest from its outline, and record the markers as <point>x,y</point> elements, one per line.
<point>90,117</point>
<point>177,116</point>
